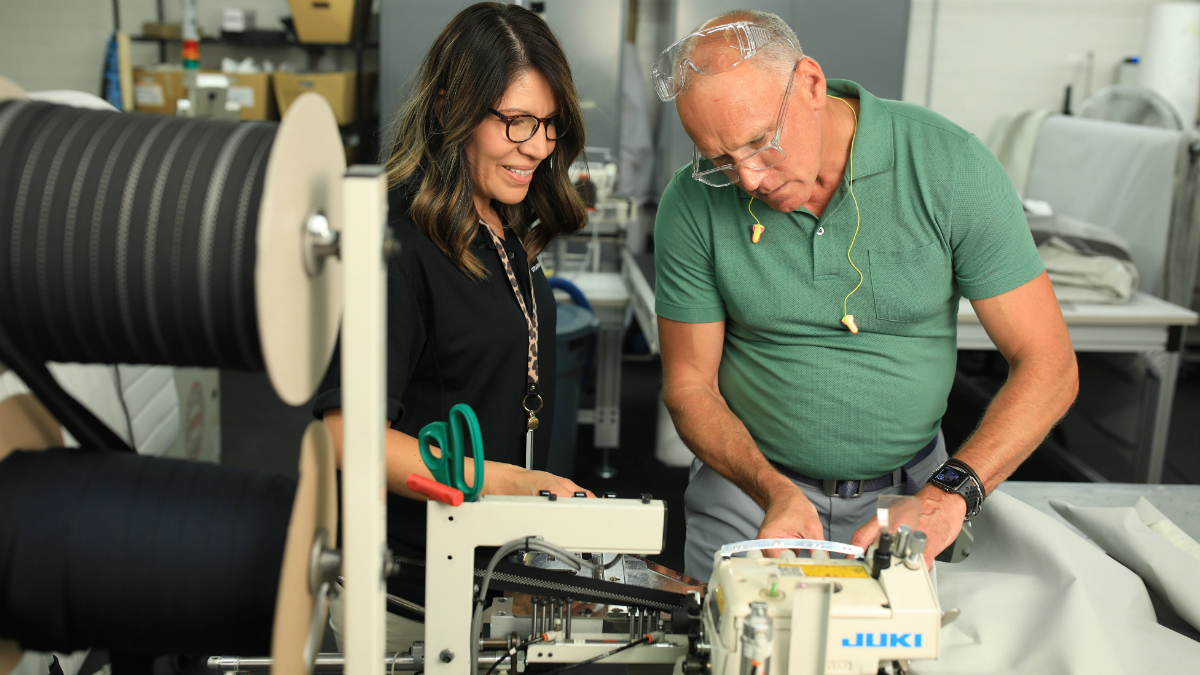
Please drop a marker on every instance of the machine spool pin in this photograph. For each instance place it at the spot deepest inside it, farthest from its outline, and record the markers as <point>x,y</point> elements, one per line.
<point>321,241</point>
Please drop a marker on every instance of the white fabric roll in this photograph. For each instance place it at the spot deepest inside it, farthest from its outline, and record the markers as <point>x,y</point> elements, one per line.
<point>1037,599</point>
<point>1171,62</point>
<point>1165,566</point>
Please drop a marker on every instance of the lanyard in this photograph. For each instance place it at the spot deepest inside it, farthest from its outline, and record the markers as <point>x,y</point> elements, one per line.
<point>532,401</point>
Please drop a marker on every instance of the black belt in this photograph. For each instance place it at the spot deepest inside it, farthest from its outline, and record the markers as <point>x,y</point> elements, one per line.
<point>847,489</point>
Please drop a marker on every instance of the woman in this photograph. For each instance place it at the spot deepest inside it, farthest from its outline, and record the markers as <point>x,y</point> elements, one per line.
<point>478,171</point>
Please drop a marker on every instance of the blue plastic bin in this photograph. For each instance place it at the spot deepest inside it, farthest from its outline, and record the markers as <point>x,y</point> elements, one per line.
<point>576,326</point>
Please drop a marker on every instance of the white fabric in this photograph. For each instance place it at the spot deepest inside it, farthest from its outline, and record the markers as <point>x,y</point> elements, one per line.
<point>77,99</point>
<point>1079,277</point>
<point>1155,520</point>
<point>1036,598</point>
<point>1126,536</point>
<point>38,663</point>
<point>1013,140</point>
<point>147,391</point>
<point>1118,176</point>
<point>635,176</point>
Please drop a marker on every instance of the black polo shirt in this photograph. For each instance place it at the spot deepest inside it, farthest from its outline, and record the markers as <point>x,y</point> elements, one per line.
<point>452,339</point>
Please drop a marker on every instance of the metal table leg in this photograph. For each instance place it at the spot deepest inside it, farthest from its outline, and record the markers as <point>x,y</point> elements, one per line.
<point>608,384</point>
<point>1152,453</point>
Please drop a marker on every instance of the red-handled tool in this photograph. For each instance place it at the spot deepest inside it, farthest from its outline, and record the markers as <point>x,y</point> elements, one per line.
<point>434,490</point>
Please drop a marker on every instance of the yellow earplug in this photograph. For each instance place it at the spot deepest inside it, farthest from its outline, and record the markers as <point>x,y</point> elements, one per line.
<point>757,229</point>
<point>848,320</point>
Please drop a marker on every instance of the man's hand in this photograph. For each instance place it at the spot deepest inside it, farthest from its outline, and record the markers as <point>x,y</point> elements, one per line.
<point>942,516</point>
<point>790,516</point>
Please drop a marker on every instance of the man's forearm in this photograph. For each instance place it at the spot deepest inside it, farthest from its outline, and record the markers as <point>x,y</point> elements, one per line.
<point>714,434</point>
<point>1035,397</point>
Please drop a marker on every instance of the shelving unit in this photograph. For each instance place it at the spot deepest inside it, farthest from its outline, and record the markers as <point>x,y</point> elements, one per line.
<point>278,39</point>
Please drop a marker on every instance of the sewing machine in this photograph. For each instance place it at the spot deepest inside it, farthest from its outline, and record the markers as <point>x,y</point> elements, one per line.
<point>805,616</point>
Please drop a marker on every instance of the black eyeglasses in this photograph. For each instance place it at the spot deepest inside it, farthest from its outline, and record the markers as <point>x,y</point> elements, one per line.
<point>520,128</point>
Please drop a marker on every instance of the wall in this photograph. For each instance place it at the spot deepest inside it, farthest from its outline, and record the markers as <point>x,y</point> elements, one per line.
<point>589,31</point>
<point>860,40</point>
<point>992,57</point>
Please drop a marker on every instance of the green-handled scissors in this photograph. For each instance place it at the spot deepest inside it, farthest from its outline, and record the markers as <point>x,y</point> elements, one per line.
<point>448,469</point>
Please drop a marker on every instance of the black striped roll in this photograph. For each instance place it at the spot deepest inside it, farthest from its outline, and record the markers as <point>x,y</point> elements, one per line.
<point>130,238</point>
<point>137,554</point>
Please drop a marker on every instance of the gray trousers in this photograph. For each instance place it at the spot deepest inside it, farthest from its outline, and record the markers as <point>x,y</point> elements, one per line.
<point>719,513</point>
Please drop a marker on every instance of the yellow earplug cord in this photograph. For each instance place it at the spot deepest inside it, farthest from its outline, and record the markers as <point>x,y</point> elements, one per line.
<point>759,228</point>
<point>857,224</point>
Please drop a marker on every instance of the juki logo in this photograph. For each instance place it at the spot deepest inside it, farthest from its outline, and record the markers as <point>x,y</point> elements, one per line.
<point>883,640</point>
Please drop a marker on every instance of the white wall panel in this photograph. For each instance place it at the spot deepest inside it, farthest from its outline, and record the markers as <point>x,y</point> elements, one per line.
<point>992,57</point>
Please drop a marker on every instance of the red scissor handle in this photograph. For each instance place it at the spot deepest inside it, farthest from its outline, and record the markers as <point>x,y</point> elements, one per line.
<point>434,490</point>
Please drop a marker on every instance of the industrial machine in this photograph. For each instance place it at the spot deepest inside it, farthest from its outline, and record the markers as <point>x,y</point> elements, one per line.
<point>578,592</point>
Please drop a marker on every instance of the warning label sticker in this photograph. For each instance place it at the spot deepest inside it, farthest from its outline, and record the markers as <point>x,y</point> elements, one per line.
<point>844,571</point>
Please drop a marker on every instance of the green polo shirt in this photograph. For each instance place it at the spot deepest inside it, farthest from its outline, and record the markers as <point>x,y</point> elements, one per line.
<point>940,220</point>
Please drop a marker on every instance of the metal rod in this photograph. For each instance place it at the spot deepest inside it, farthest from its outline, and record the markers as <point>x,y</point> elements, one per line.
<point>567,620</point>
<point>326,663</point>
<point>397,601</point>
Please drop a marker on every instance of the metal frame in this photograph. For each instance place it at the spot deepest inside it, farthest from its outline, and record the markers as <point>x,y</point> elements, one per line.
<point>1158,340</point>
<point>453,533</point>
<point>364,359</point>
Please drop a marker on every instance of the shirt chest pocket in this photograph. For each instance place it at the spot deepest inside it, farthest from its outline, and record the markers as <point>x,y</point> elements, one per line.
<point>909,284</point>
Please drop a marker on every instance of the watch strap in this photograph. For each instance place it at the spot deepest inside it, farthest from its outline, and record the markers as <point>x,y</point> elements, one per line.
<point>971,490</point>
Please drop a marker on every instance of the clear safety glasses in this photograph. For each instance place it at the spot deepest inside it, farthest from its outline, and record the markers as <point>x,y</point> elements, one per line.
<point>760,158</point>
<point>725,46</point>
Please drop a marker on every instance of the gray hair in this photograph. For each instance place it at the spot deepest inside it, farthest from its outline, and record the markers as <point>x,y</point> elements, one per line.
<point>781,48</point>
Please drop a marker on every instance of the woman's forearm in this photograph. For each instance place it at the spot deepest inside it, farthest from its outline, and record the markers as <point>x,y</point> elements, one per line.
<point>404,458</point>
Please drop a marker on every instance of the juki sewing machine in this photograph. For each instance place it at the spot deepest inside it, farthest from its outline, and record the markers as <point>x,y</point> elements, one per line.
<point>575,591</point>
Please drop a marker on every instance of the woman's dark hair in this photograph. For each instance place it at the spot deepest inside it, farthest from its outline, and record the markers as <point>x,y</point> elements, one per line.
<point>474,60</point>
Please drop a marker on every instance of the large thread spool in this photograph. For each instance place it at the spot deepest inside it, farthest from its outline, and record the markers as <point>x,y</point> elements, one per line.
<point>112,232</point>
<point>140,239</point>
<point>139,554</point>
<point>149,555</point>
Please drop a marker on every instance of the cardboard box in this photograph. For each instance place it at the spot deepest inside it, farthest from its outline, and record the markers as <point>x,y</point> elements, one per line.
<point>236,20</point>
<point>155,90</point>
<point>337,88</point>
<point>324,21</point>
<point>253,91</point>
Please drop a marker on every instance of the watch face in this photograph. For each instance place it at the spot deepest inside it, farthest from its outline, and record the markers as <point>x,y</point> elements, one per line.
<point>951,477</point>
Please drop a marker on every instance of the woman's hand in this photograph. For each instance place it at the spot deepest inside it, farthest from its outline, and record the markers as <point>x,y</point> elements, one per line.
<point>506,479</point>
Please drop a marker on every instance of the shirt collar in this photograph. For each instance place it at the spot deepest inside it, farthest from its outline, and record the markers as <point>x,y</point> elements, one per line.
<point>873,149</point>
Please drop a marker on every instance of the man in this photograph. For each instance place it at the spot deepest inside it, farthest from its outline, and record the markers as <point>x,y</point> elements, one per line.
<point>808,291</point>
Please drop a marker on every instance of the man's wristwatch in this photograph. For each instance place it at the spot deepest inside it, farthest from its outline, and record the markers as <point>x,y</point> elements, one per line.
<point>955,476</point>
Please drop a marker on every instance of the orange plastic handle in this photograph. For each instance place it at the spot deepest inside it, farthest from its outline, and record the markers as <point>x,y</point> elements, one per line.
<point>434,490</point>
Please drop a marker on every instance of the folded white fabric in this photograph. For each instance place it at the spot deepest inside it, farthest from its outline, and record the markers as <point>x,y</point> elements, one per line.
<point>1140,538</point>
<point>1085,262</point>
<point>1082,277</point>
<point>1036,598</point>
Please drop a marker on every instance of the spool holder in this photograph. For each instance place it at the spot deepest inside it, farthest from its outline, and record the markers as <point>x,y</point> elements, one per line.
<point>313,217</point>
<point>350,259</point>
<point>298,274</point>
<point>364,391</point>
<point>304,236</point>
